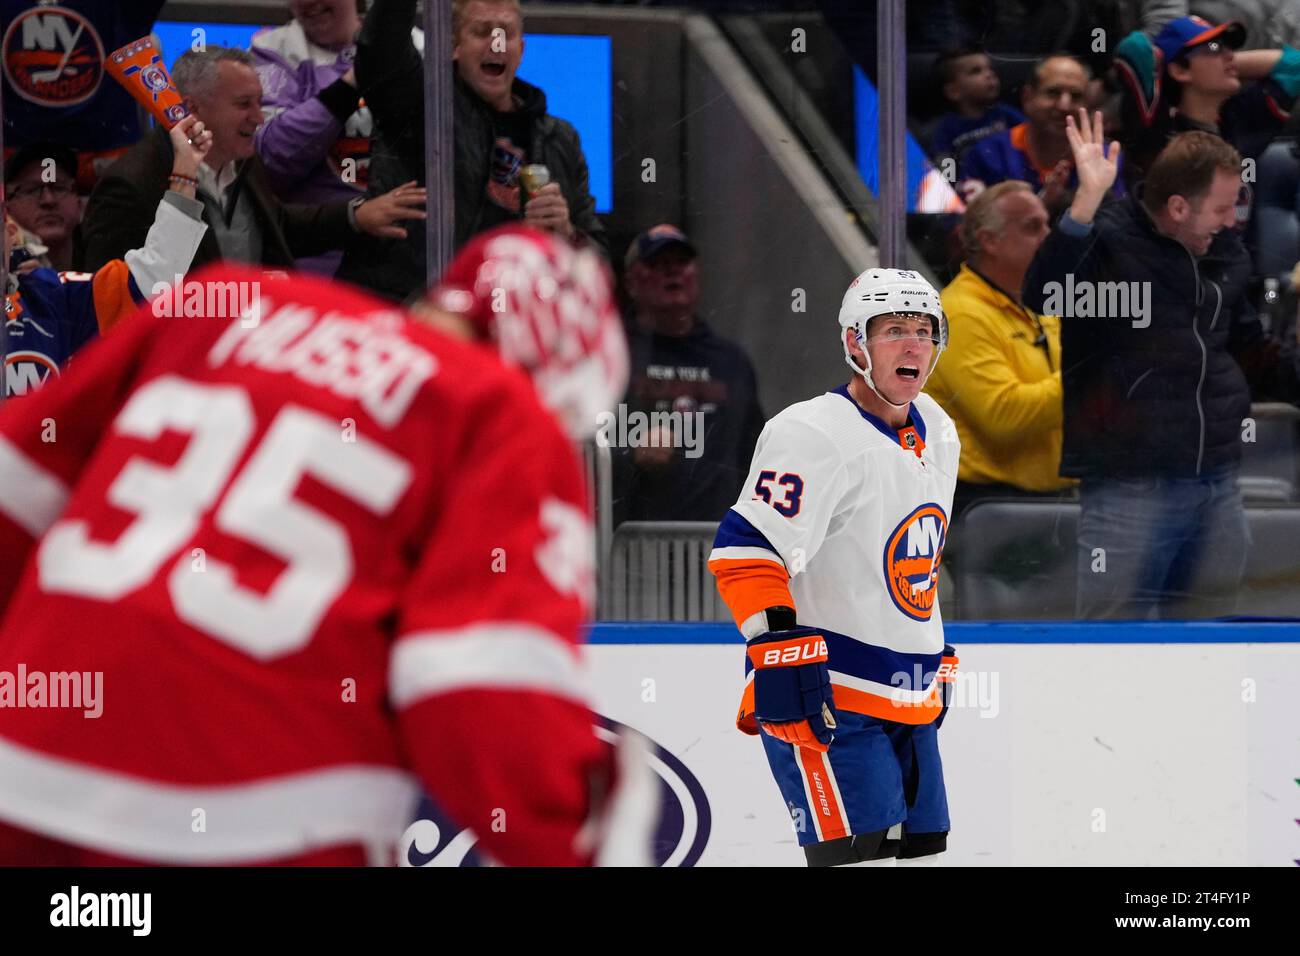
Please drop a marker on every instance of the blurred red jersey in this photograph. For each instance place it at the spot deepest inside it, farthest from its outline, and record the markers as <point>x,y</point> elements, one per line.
<point>265,577</point>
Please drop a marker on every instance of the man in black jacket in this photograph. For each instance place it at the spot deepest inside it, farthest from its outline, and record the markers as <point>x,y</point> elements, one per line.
<point>1160,352</point>
<point>687,426</point>
<point>246,222</point>
<point>501,125</point>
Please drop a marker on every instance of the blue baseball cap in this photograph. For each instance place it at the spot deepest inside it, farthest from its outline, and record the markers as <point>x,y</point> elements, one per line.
<point>653,240</point>
<point>1178,35</point>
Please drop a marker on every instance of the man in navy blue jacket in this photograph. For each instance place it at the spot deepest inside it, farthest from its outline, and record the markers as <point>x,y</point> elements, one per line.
<point>694,391</point>
<point>1160,353</point>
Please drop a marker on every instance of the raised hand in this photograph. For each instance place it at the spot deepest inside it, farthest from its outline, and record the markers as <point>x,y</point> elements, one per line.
<point>191,141</point>
<point>1096,164</point>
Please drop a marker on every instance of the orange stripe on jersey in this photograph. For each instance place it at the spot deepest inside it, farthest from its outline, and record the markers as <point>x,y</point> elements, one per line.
<point>828,815</point>
<point>112,290</point>
<point>873,705</point>
<point>1019,136</point>
<point>750,586</point>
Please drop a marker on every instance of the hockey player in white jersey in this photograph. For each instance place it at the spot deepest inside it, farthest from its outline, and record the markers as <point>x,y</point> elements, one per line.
<point>829,562</point>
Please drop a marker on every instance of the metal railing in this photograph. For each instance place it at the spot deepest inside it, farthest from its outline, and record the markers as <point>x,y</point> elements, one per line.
<point>659,571</point>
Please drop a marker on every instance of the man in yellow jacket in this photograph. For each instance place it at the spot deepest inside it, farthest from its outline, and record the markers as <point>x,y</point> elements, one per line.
<point>1000,377</point>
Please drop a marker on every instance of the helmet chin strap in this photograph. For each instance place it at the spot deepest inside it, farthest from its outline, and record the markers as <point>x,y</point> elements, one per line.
<point>866,375</point>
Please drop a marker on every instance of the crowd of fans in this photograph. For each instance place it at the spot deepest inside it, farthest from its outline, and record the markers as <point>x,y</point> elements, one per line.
<point>1140,400</point>
<point>316,162</point>
<point>312,156</point>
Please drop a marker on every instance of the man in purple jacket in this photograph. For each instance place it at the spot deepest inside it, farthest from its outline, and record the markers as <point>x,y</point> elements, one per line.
<point>315,142</point>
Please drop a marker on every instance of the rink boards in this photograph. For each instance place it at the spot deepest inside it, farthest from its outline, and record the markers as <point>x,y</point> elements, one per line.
<point>1067,744</point>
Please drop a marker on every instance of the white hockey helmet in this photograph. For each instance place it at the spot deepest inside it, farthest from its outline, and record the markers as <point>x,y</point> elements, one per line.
<point>885,292</point>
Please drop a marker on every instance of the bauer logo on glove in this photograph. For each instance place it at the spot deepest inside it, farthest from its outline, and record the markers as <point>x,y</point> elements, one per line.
<point>792,687</point>
<point>797,651</point>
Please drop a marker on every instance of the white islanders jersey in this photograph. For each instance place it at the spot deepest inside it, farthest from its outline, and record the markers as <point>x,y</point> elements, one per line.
<point>854,513</point>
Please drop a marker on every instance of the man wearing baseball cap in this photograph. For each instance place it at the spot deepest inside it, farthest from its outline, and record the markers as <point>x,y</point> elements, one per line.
<point>693,392</point>
<point>655,239</point>
<point>41,195</point>
<point>1195,76</point>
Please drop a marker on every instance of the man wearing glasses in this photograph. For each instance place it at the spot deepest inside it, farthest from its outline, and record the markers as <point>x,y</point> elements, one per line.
<point>41,195</point>
<point>1191,77</point>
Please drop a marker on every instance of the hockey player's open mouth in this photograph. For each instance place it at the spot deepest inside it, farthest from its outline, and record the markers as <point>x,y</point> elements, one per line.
<point>908,371</point>
<point>494,69</point>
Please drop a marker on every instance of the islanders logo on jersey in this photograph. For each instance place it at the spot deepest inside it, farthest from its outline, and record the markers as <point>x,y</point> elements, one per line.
<point>53,56</point>
<point>27,370</point>
<point>913,552</point>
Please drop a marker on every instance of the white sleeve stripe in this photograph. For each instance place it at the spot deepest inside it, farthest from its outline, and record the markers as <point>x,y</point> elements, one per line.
<point>897,694</point>
<point>496,655</point>
<point>30,496</point>
<point>264,819</point>
<point>745,554</point>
